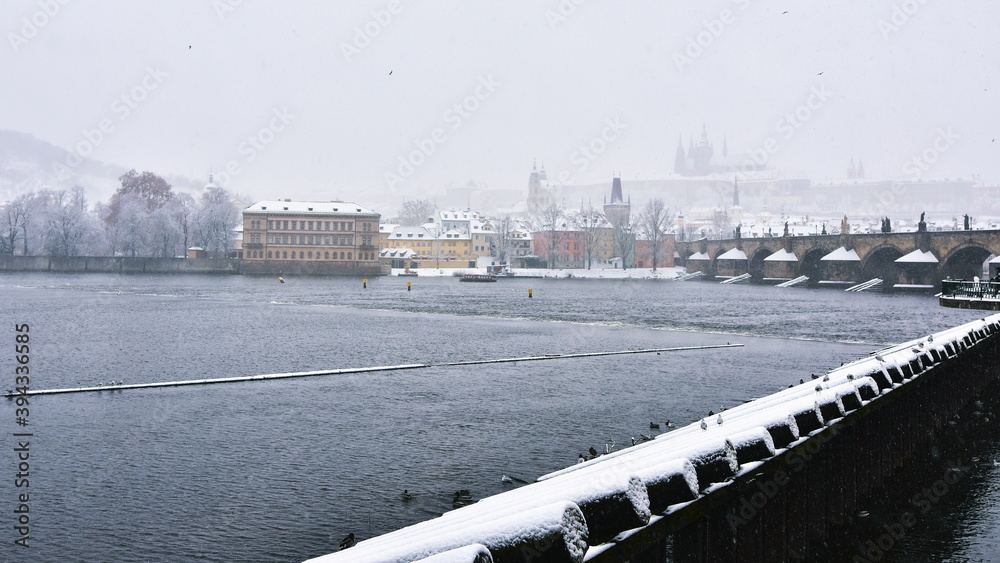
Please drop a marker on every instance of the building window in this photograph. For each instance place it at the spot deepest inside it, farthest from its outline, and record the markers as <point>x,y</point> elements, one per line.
<point>348,255</point>
<point>341,255</point>
<point>269,254</point>
<point>310,225</point>
<point>326,255</point>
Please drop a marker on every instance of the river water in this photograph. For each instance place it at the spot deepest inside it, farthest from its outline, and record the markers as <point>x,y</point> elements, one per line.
<point>282,470</point>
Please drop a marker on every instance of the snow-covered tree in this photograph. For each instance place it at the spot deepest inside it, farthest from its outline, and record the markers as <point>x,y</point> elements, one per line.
<point>215,221</point>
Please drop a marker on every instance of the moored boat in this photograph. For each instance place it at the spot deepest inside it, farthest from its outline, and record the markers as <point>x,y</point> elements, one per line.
<point>478,278</point>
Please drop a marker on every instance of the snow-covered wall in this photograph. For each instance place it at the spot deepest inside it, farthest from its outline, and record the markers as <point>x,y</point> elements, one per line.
<point>568,514</point>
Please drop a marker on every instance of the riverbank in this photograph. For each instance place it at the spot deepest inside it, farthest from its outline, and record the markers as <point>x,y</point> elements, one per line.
<point>119,265</point>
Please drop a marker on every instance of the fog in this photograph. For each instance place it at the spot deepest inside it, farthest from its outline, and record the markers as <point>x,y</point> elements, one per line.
<point>385,101</point>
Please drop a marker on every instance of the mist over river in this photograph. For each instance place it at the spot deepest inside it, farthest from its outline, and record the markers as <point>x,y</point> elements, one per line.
<point>282,470</point>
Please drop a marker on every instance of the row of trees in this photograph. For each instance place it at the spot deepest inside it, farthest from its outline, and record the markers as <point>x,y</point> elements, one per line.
<point>144,217</point>
<point>651,226</point>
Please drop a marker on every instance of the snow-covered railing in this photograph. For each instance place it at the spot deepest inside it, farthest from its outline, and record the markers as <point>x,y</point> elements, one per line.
<point>622,503</point>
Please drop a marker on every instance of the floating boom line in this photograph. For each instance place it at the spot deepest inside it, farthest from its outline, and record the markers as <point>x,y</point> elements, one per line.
<point>11,394</point>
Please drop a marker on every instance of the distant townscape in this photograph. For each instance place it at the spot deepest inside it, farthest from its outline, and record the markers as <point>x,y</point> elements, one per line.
<point>549,224</point>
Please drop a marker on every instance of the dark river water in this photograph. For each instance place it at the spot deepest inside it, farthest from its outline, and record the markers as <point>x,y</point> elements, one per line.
<point>282,470</point>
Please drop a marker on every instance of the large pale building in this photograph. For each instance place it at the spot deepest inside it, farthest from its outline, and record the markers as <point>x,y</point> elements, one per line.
<point>310,237</point>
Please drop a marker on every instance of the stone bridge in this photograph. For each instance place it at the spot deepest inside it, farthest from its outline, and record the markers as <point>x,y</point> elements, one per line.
<point>921,258</point>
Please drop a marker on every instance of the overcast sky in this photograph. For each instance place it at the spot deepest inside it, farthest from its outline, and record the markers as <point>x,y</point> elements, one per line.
<point>337,96</point>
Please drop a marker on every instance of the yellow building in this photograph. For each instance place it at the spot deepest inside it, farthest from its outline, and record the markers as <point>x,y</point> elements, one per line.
<point>329,237</point>
<point>448,249</point>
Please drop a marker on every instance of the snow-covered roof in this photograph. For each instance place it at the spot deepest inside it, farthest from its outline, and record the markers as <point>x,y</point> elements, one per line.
<point>699,256</point>
<point>396,253</point>
<point>455,215</point>
<point>306,207</point>
<point>410,233</point>
<point>733,254</point>
<point>842,255</point>
<point>782,255</point>
<point>917,256</point>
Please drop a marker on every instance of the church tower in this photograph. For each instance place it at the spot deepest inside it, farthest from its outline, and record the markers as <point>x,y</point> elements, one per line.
<point>617,212</point>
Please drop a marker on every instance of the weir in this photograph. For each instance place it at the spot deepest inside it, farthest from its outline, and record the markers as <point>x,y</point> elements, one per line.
<point>299,374</point>
<point>775,479</point>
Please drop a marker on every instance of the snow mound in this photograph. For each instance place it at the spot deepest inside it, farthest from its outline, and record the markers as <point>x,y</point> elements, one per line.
<point>475,553</point>
<point>556,531</point>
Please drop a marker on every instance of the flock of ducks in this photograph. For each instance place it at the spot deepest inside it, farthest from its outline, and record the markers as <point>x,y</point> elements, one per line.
<point>111,383</point>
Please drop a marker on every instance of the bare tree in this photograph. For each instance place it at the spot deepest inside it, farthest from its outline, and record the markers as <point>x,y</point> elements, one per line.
<point>165,235</point>
<point>415,212</point>
<point>15,216</point>
<point>69,226</point>
<point>653,223</point>
<point>623,232</point>
<point>151,189</point>
<point>182,213</point>
<point>722,223</point>
<point>215,221</point>
<point>501,238</point>
<point>550,222</point>
<point>126,232</point>
<point>591,223</point>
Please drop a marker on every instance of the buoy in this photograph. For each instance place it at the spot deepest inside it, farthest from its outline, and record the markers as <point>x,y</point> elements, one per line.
<point>281,279</point>
<point>408,286</point>
<point>530,294</point>
<point>364,283</point>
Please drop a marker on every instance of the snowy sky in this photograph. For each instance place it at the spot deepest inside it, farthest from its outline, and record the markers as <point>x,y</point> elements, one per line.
<point>315,99</point>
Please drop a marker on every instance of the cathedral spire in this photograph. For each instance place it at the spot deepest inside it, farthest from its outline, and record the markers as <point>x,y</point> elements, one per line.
<point>736,191</point>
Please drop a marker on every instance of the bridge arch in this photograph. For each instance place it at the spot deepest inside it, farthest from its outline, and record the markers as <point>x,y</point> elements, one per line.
<point>880,262</point>
<point>755,267</point>
<point>811,265</point>
<point>965,261</point>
